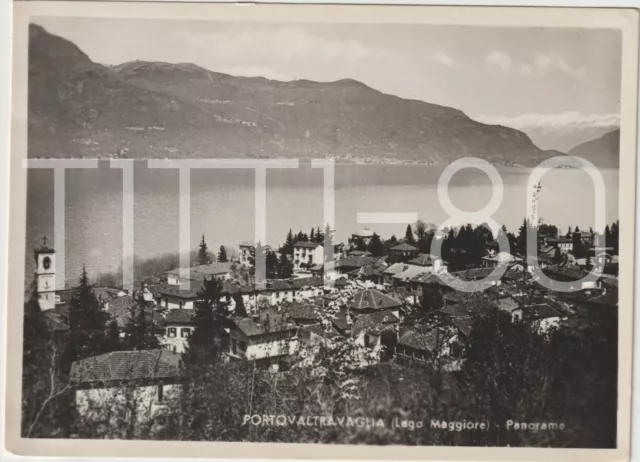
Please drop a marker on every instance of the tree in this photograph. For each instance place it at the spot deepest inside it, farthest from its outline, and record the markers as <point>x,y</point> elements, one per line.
<point>139,331</point>
<point>240,310</point>
<point>208,339</point>
<point>557,256</point>
<point>408,236</point>
<point>287,248</point>
<point>203,258</point>
<point>113,336</point>
<point>285,267</point>
<point>312,235</point>
<point>271,265</point>
<point>376,247</point>
<point>222,255</point>
<point>87,322</point>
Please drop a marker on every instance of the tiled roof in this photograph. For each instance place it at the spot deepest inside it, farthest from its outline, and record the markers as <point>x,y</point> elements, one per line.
<point>355,262</point>
<point>373,299</point>
<point>201,272</point>
<point>502,257</point>
<point>410,272</point>
<point>182,292</point>
<point>404,247</point>
<point>424,259</point>
<point>319,330</point>
<point>374,269</point>
<point>375,323</point>
<point>430,278</point>
<point>359,253</point>
<point>424,340</point>
<point>264,325</point>
<point>183,316</point>
<point>126,365</point>
<point>396,268</point>
<point>473,274</point>
<point>307,245</point>
<point>307,310</point>
<point>464,324</point>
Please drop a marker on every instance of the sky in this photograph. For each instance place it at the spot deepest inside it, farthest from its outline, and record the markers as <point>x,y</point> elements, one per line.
<point>491,73</point>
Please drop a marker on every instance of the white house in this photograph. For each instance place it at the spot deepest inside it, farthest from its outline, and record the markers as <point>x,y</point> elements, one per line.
<point>307,254</point>
<point>265,339</point>
<point>179,276</point>
<point>247,251</point>
<point>112,387</point>
<point>178,326</point>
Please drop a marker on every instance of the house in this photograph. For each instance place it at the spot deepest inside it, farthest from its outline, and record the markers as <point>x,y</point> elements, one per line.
<point>431,263</point>
<point>563,243</point>
<point>266,338</point>
<point>134,383</point>
<point>179,276</point>
<point>572,274</point>
<point>373,300</point>
<point>317,335</point>
<point>403,252</point>
<point>307,254</point>
<point>178,326</point>
<point>247,254</point>
<point>377,329</point>
<point>287,290</point>
<point>361,239</point>
<point>350,263</point>
<point>587,239</point>
<point>426,344</point>
<point>501,258</point>
<point>179,297</point>
<point>373,272</point>
<point>431,282</point>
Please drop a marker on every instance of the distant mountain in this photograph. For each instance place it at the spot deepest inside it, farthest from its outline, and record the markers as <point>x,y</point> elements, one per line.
<point>562,131</point>
<point>602,152</point>
<point>148,109</point>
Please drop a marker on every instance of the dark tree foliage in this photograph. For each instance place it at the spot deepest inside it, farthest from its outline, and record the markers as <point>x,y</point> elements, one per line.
<point>140,330</point>
<point>87,322</point>
<point>222,255</point>
<point>287,248</point>
<point>376,246</point>
<point>408,236</point>
<point>35,362</point>
<point>113,337</point>
<point>211,314</point>
<point>203,258</point>
<point>240,310</point>
<point>272,265</point>
<point>285,267</point>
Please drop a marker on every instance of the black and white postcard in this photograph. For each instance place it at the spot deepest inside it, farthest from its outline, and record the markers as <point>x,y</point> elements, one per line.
<point>337,232</point>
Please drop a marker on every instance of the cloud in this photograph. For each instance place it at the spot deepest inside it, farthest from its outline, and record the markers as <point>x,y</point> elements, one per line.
<point>289,42</point>
<point>499,59</point>
<point>257,71</point>
<point>443,58</point>
<point>563,119</point>
<point>542,65</point>
<point>546,63</point>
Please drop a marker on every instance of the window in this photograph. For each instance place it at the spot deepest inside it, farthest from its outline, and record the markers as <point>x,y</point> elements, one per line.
<point>234,347</point>
<point>172,332</point>
<point>160,393</point>
<point>242,346</point>
<point>185,332</point>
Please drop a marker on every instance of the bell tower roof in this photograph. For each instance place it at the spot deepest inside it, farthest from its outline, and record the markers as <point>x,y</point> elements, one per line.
<point>44,248</point>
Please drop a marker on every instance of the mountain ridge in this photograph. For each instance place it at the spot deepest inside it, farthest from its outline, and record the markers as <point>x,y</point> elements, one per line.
<point>143,109</point>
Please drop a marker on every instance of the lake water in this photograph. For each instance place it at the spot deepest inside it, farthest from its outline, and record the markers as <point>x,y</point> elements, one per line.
<point>222,205</point>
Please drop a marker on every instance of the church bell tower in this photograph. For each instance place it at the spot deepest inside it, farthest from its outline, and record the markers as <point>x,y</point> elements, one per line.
<point>45,276</point>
